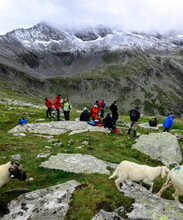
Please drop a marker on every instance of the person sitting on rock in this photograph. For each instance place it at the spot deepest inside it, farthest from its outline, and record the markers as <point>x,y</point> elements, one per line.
<point>108,122</point>
<point>85,115</point>
<point>153,123</point>
<point>94,111</point>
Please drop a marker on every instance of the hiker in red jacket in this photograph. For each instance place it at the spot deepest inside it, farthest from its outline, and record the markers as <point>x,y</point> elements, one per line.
<point>57,105</point>
<point>94,111</point>
<point>101,106</point>
<point>49,105</point>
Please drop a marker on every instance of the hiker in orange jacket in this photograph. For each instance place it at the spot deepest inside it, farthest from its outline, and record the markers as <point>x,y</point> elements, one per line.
<point>94,111</point>
<point>57,105</point>
<point>49,105</point>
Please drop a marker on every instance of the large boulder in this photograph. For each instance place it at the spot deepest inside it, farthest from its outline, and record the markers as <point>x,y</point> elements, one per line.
<point>160,146</point>
<point>49,203</point>
<point>77,163</point>
<point>56,128</point>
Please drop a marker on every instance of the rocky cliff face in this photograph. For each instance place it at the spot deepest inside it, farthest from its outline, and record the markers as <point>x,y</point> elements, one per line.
<point>93,63</point>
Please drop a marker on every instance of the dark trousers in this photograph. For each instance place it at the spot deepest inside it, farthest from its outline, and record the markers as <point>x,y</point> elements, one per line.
<point>48,112</point>
<point>102,113</point>
<point>114,117</point>
<point>58,114</point>
<point>166,129</point>
<point>66,115</point>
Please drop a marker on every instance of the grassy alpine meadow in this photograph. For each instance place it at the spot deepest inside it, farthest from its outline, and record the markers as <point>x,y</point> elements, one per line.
<point>96,190</point>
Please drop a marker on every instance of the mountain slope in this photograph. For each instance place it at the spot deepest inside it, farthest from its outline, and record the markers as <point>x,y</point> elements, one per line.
<point>135,69</point>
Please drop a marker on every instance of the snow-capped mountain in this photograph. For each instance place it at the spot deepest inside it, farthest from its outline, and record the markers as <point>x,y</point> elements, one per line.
<point>134,68</point>
<point>44,37</point>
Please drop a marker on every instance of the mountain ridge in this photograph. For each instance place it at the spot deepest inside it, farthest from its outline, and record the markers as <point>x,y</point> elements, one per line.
<point>146,69</point>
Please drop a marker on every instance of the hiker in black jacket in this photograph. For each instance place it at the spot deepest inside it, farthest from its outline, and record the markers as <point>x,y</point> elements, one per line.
<point>114,110</point>
<point>134,117</point>
<point>85,115</point>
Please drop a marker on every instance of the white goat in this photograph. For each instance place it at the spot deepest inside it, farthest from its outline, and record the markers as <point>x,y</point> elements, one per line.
<point>11,170</point>
<point>174,179</point>
<point>140,173</point>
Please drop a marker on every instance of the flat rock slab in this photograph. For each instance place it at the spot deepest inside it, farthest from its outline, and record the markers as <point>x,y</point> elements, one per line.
<point>49,203</point>
<point>147,206</point>
<point>77,163</point>
<point>147,126</point>
<point>56,128</point>
<point>160,146</point>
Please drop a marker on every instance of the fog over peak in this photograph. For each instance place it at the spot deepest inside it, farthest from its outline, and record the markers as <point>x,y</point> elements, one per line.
<point>142,15</point>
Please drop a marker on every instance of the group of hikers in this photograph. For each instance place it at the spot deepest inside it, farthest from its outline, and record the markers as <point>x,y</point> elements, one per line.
<point>97,114</point>
<point>65,104</point>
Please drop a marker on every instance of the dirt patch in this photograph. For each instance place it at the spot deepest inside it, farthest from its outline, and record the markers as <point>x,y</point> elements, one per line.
<point>104,205</point>
<point>79,188</point>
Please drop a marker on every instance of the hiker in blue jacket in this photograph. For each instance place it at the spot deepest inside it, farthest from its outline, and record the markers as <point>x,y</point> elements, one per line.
<point>168,122</point>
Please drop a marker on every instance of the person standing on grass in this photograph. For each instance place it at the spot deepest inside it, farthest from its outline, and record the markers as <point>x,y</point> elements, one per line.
<point>67,106</point>
<point>134,117</point>
<point>168,122</point>
<point>57,105</point>
<point>114,110</point>
<point>49,105</point>
<point>101,107</point>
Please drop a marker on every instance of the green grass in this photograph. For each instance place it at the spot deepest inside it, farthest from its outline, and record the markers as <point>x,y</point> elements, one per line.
<point>95,191</point>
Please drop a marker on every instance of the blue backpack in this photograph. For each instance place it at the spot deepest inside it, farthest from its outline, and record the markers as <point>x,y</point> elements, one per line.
<point>92,123</point>
<point>22,121</point>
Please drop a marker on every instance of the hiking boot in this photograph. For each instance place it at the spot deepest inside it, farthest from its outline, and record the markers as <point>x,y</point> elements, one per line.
<point>129,130</point>
<point>134,133</point>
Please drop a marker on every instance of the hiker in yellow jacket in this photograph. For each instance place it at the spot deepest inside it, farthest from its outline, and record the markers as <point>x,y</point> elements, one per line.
<point>67,106</point>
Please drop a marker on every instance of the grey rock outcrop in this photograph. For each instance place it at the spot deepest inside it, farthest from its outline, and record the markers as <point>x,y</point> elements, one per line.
<point>49,203</point>
<point>160,146</point>
<point>146,125</point>
<point>103,215</point>
<point>56,128</point>
<point>77,163</point>
<point>147,206</point>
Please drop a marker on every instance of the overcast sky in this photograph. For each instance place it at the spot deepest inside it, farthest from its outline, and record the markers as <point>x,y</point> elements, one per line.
<point>138,15</point>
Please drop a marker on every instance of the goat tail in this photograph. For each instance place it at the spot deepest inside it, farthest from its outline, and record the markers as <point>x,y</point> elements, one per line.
<point>113,175</point>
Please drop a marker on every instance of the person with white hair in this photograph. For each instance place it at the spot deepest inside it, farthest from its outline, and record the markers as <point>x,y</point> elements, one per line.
<point>85,115</point>
<point>94,111</point>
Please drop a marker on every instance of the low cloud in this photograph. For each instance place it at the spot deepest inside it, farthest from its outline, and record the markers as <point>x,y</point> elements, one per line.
<point>137,15</point>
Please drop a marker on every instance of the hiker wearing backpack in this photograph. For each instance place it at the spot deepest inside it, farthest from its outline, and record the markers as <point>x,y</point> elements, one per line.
<point>49,105</point>
<point>57,105</point>
<point>67,106</point>
<point>134,117</point>
<point>168,122</point>
<point>101,106</point>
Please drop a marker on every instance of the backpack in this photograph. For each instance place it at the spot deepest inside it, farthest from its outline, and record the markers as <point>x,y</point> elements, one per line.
<point>92,123</point>
<point>22,121</point>
<point>134,115</point>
